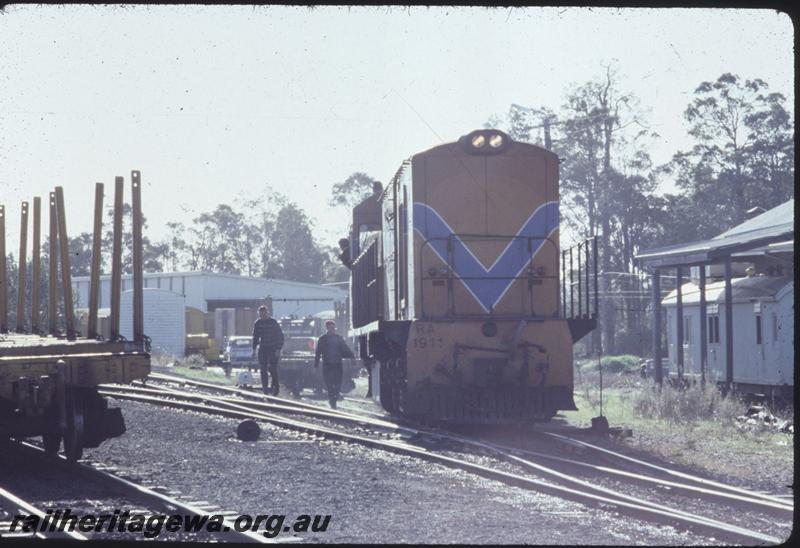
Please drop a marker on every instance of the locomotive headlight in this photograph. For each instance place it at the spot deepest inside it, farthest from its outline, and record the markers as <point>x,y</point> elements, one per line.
<point>443,271</point>
<point>496,140</point>
<point>489,329</point>
<point>432,272</point>
<point>479,140</point>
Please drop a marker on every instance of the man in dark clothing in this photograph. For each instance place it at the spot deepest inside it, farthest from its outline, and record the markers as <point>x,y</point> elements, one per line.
<point>332,348</point>
<point>268,337</point>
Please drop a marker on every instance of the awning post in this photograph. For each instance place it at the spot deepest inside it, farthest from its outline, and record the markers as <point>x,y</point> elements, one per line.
<point>679,323</point>
<point>728,326</point>
<point>703,327</point>
<point>657,326</point>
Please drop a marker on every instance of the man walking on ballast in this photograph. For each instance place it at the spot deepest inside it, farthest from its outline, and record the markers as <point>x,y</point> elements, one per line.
<point>332,348</point>
<point>268,337</point>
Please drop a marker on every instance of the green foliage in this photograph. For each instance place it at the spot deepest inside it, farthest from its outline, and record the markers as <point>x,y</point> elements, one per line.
<point>621,364</point>
<point>267,236</point>
<point>297,256</point>
<point>743,154</point>
<point>352,190</point>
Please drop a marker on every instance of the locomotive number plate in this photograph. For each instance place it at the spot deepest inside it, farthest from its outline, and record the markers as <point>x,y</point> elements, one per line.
<point>425,336</point>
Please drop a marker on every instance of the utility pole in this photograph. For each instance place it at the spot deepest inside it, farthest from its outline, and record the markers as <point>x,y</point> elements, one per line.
<point>547,120</point>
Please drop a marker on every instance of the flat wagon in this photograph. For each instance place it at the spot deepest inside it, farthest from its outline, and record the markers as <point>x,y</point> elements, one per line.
<point>49,372</point>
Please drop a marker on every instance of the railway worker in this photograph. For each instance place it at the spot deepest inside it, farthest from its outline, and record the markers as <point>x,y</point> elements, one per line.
<point>268,337</point>
<point>344,256</point>
<point>332,348</point>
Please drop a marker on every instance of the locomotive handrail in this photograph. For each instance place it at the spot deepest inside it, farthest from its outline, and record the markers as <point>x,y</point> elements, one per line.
<point>586,290</point>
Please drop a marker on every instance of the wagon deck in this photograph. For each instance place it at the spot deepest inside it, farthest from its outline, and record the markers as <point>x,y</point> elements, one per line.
<point>88,361</point>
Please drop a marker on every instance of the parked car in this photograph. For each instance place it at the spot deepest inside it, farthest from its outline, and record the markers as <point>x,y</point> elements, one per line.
<point>239,352</point>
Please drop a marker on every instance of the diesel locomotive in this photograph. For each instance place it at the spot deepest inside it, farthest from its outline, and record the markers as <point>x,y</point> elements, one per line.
<point>457,289</point>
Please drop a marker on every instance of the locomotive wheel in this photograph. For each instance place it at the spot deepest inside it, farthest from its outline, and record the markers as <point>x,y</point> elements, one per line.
<point>73,436</point>
<point>51,442</point>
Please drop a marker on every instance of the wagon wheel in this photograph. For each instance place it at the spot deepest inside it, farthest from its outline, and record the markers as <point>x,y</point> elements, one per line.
<point>73,436</point>
<point>51,440</point>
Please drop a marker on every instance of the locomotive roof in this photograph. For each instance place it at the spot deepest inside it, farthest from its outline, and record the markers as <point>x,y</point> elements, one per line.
<point>454,147</point>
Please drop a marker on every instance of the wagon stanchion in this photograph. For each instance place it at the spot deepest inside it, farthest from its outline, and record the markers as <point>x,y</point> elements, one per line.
<point>21,268</point>
<point>36,275</point>
<point>52,287</point>
<point>116,259</point>
<point>3,278</point>
<point>94,284</point>
<point>138,301</point>
<point>66,278</point>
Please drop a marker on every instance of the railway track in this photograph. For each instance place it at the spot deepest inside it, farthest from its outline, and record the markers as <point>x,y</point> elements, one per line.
<point>143,499</point>
<point>11,505</point>
<point>558,479</point>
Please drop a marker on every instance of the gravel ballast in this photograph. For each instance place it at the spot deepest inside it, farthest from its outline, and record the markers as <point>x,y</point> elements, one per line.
<point>372,496</point>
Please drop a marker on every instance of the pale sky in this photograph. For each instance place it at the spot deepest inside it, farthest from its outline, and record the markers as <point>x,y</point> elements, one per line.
<point>215,102</point>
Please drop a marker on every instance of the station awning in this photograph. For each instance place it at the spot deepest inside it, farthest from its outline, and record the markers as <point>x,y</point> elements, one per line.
<point>770,232</point>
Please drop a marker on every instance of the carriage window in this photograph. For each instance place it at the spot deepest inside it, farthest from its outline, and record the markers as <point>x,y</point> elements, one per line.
<point>687,330</point>
<point>713,329</point>
<point>758,328</point>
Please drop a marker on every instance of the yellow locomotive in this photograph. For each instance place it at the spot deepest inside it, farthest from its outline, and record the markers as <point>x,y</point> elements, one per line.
<point>457,303</point>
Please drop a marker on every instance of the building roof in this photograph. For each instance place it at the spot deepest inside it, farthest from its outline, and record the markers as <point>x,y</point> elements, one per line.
<point>232,277</point>
<point>756,288</point>
<point>771,227</point>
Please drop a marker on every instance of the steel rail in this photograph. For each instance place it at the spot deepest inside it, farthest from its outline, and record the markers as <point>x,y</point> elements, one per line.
<point>720,490</point>
<point>147,495</point>
<point>696,479</point>
<point>10,501</point>
<point>318,412</point>
<point>507,453</point>
<point>638,507</point>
